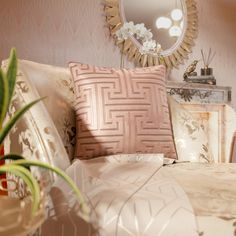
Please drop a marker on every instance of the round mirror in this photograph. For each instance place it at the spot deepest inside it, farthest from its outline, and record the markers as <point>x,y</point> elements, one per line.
<point>167,27</point>
<point>165,20</point>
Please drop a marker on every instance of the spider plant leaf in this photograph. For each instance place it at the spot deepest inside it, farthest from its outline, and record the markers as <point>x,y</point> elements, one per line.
<point>12,157</point>
<point>28,179</point>
<point>59,172</point>
<point>11,73</point>
<point>4,96</point>
<point>6,129</point>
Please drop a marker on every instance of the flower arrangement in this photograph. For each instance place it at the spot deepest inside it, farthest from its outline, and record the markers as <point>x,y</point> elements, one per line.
<point>18,165</point>
<point>140,32</point>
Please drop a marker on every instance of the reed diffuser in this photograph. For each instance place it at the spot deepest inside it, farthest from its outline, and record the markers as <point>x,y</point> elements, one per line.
<point>207,59</point>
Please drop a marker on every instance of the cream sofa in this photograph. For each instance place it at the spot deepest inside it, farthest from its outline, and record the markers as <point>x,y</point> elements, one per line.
<point>47,132</point>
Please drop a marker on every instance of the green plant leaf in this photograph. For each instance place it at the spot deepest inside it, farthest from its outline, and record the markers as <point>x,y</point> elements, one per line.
<point>28,179</point>
<point>11,73</point>
<point>59,172</point>
<point>6,129</point>
<point>12,157</point>
<point>4,96</point>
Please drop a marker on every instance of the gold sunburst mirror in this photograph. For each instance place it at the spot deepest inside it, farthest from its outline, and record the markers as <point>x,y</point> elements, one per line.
<point>167,27</point>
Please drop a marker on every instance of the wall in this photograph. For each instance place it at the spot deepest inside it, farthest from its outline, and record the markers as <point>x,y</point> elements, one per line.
<point>58,31</point>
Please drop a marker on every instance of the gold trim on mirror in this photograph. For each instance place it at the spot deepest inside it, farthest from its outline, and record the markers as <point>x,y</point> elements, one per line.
<point>129,48</point>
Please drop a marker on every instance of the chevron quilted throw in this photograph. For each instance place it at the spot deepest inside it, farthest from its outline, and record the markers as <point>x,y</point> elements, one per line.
<point>121,111</point>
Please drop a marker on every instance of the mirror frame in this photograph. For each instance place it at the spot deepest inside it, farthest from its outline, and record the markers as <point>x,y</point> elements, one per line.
<point>129,47</point>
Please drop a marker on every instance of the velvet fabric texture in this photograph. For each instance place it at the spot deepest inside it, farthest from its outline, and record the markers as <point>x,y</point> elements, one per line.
<point>121,111</point>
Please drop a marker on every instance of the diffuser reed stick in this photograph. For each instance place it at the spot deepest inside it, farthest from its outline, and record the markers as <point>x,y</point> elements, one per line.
<point>207,59</point>
<point>203,57</point>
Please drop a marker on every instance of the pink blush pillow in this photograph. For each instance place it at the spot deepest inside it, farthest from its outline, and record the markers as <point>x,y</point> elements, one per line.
<point>121,111</point>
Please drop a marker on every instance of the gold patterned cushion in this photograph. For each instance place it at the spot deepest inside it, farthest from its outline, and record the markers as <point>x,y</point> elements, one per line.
<point>56,84</point>
<point>35,135</point>
<point>190,139</point>
<point>121,111</point>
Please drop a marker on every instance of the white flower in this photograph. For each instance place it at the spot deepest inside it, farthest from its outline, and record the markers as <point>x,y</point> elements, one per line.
<point>142,33</point>
<point>148,35</point>
<point>129,27</point>
<point>120,34</point>
<point>127,30</point>
<point>148,46</point>
<point>140,30</point>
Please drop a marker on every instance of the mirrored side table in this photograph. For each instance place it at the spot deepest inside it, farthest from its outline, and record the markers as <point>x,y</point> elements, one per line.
<point>199,93</point>
<point>209,105</point>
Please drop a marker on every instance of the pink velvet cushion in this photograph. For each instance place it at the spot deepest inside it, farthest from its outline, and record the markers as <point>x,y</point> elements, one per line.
<point>121,111</point>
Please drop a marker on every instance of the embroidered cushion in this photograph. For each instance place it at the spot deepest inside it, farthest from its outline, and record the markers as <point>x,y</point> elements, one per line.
<point>56,84</point>
<point>34,135</point>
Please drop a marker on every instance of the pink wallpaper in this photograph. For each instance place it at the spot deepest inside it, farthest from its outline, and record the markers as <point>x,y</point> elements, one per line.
<point>57,31</point>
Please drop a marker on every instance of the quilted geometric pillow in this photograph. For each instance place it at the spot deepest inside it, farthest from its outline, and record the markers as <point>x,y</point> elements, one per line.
<point>121,111</point>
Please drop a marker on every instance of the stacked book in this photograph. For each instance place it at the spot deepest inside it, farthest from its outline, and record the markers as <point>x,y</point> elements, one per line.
<point>201,79</point>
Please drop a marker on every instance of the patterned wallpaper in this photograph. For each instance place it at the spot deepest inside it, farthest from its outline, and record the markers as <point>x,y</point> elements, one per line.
<point>58,31</point>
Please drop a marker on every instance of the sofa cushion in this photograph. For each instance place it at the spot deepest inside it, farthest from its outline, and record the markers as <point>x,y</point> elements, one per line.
<point>35,135</point>
<point>57,85</point>
<point>121,111</point>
